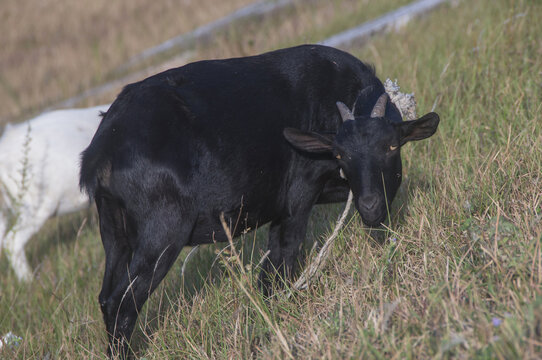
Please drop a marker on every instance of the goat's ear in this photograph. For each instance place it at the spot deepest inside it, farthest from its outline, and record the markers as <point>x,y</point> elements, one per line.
<point>418,129</point>
<point>308,141</point>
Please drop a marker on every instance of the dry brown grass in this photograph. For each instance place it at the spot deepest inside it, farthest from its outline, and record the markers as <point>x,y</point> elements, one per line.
<point>54,49</point>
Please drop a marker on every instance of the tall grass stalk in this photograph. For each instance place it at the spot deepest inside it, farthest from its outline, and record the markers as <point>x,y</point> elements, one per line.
<point>245,281</point>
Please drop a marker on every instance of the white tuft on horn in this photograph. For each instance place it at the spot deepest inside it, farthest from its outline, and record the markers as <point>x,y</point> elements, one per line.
<point>346,114</point>
<point>406,103</point>
<point>379,110</point>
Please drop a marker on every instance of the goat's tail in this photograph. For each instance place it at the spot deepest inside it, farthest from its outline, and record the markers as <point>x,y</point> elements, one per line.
<point>95,165</point>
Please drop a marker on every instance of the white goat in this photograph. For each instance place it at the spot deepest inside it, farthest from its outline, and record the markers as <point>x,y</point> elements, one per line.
<point>39,173</point>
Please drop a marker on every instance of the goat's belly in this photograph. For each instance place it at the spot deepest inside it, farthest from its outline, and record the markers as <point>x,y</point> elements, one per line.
<point>209,228</point>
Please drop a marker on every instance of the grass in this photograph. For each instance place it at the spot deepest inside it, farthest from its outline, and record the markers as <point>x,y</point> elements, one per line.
<point>462,279</point>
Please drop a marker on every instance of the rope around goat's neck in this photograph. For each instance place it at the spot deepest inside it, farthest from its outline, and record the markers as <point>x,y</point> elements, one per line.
<point>318,263</point>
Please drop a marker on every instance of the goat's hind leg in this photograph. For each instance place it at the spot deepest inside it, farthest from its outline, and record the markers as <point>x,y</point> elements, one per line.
<point>161,234</point>
<point>16,238</point>
<point>114,234</point>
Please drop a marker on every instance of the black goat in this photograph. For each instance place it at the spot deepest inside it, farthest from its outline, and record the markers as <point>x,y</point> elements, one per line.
<point>261,136</point>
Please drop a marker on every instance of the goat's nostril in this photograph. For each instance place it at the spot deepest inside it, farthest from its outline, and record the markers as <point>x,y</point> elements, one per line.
<point>369,202</point>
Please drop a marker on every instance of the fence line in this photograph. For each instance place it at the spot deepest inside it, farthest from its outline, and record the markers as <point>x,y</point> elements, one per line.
<point>393,20</point>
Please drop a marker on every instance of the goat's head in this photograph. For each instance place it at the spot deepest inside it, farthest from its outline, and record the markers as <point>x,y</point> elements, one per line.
<point>367,151</point>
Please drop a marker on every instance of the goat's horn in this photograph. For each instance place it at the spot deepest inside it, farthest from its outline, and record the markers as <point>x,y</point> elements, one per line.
<point>346,114</point>
<point>380,107</point>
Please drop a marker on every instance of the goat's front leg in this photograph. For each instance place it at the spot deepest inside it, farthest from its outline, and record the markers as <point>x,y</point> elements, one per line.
<point>285,238</point>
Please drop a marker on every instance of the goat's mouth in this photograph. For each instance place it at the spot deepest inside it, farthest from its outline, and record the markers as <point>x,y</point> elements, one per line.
<point>372,210</point>
<point>373,219</point>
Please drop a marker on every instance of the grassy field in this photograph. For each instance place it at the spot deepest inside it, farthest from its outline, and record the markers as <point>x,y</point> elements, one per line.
<point>458,274</point>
